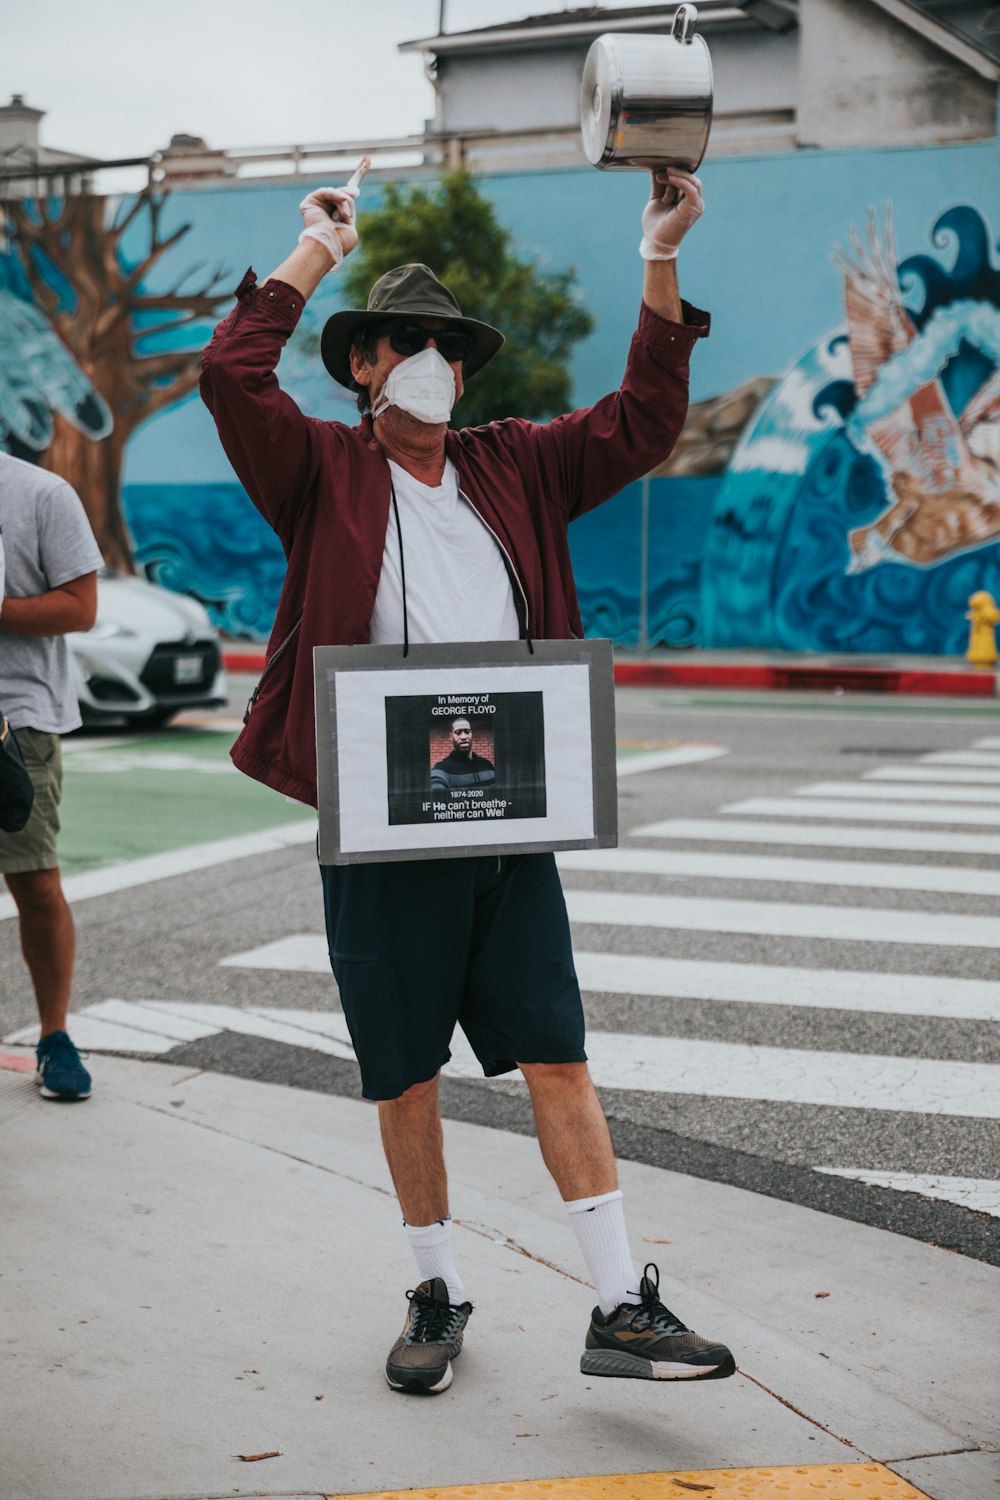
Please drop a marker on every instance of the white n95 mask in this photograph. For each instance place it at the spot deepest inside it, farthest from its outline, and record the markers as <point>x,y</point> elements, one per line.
<point>423,385</point>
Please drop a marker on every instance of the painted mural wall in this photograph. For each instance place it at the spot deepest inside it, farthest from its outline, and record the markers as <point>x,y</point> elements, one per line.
<point>838,483</point>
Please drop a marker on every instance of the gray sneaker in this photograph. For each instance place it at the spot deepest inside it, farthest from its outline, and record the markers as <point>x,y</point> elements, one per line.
<point>420,1360</point>
<point>648,1343</point>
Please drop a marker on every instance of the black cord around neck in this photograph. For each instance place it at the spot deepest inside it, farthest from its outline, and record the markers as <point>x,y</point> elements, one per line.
<point>402,567</point>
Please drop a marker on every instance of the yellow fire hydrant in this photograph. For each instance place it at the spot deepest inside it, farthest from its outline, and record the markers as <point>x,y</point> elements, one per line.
<point>984,617</point>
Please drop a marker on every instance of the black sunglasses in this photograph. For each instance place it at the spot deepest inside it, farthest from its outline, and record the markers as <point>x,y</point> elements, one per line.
<point>453,344</point>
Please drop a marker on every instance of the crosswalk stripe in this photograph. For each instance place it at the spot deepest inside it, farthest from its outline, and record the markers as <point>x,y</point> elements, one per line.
<point>300,952</point>
<point>790,870</point>
<point>983,796</point>
<point>96,1035</point>
<point>659,760</point>
<point>859,811</point>
<point>724,1070</point>
<point>665,1065</point>
<point>777,919</point>
<point>933,774</point>
<point>771,984</point>
<point>736,831</point>
<point>961,758</point>
<point>981,1194</point>
<point>274,1025</point>
<point>756,984</point>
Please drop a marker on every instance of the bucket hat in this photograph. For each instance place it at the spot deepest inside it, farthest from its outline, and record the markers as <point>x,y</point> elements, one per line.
<point>399,296</point>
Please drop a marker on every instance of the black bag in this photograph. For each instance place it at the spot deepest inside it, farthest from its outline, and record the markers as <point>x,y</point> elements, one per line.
<point>17,794</point>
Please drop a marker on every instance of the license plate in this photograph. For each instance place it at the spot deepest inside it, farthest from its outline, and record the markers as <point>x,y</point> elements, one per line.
<point>187,669</point>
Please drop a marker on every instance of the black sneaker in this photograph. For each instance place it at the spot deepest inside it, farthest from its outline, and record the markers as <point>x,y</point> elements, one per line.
<point>61,1074</point>
<point>648,1343</point>
<point>420,1359</point>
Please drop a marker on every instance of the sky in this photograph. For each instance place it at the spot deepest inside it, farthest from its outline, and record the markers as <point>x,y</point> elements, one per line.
<point>118,78</point>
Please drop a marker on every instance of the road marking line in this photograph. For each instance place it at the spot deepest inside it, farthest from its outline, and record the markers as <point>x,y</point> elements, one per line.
<point>696,979</point>
<point>177,862</point>
<point>668,1065</point>
<point>858,924</point>
<point>143,1018</point>
<point>856,812</point>
<point>111,762</point>
<point>992,743</point>
<point>772,984</point>
<point>96,1035</point>
<point>981,1194</point>
<point>74,743</point>
<point>962,757</point>
<point>935,774</point>
<point>658,760</point>
<point>791,871</point>
<point>723,1070</point>
<point>812,834</point>
<point>161,1025</point>
<point>302,953</point>
<point>983,796</point>
<point>253,1021</point>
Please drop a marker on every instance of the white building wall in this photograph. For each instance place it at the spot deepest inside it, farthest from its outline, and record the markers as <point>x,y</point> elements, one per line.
<point>866,80</point>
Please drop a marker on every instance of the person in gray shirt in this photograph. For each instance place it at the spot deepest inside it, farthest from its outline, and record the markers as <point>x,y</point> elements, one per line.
<point>51,561</point>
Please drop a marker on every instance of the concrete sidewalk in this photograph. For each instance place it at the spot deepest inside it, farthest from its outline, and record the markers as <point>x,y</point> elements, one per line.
<point>198,1267</point>
<point>755,671</point>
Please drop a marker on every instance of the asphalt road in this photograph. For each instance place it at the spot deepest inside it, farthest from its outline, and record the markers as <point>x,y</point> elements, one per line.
<point>783,1076</point>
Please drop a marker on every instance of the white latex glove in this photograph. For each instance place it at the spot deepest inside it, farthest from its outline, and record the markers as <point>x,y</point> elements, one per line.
<point>337,235</point>
<point>675,205</point>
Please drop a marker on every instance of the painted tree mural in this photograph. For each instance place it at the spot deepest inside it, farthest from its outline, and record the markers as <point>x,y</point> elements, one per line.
<point>96,300</point>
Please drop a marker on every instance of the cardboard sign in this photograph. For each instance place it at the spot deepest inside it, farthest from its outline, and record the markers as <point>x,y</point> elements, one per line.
<point>464,749</point>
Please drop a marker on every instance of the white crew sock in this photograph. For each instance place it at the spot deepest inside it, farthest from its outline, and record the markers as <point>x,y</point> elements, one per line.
<point>600,1228</point>
<point>431,1246</point>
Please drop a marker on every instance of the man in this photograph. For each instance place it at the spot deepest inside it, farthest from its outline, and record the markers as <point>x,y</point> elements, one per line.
<point>401,529</point>
<point>51,589</point>
<point>462,767</point>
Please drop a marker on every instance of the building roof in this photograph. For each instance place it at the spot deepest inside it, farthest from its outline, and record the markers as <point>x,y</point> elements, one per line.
<point>955,31</point>
<point>583,21</point>
<point>968,33</point>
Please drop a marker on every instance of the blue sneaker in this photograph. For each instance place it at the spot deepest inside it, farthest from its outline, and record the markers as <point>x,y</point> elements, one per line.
<point>61,1074</point>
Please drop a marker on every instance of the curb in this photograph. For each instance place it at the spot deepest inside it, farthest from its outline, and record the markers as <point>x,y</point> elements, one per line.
<point>808,677</point>
<point>802,676</point>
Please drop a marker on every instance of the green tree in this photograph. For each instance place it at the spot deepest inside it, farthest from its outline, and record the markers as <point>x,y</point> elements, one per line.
<point>452,228</point>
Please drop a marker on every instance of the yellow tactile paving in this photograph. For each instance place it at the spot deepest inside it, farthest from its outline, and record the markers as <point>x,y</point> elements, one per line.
<point>813,1482</point>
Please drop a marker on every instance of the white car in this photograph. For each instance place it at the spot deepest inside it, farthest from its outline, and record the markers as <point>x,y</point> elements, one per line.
<point>149,654</point>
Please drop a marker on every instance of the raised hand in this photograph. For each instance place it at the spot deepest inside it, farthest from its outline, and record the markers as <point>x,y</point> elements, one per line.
<point>328,216</point>
<point>674,205</point>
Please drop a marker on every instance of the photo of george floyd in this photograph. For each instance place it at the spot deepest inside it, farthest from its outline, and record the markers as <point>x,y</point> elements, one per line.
<point>465,758</point>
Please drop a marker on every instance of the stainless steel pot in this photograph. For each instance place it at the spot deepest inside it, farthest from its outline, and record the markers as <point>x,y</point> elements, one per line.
<point>646,101</point>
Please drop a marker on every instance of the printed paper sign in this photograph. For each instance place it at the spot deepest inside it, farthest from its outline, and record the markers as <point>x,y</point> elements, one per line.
<point>471,748</point>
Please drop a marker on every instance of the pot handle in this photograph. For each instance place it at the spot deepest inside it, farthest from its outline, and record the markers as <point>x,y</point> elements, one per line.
<point>685,20</point>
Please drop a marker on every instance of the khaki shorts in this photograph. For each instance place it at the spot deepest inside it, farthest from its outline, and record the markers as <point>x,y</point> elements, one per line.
<point>34,848</point>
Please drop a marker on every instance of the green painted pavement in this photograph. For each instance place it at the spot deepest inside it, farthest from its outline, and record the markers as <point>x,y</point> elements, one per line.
<point>126,800</point>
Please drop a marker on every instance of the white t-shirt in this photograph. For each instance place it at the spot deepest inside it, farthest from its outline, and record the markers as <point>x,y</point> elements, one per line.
<point>457,585</point>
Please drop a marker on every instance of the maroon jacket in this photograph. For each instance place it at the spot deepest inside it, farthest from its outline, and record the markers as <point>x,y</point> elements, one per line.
<point>324,488</point>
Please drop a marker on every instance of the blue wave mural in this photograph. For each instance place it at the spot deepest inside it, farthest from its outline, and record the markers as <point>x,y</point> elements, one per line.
<point>862,520</point>
<point>209,541</point>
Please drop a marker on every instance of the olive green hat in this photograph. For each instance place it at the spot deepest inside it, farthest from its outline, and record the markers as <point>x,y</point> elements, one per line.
<point>399,296</point>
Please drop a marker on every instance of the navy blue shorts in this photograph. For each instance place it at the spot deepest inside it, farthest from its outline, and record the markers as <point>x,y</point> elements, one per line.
<point>419,945</point>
